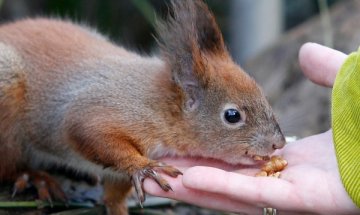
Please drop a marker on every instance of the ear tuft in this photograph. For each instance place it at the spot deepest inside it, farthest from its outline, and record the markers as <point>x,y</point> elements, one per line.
<point>190,25</point>
<point>189,33</point>
<point>209,35</point>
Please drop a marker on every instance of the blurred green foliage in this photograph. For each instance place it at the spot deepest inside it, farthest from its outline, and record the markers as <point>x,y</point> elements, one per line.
<point>129,22</point>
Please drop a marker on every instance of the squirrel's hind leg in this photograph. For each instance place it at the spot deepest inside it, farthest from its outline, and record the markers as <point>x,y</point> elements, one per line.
<point>47,187</point>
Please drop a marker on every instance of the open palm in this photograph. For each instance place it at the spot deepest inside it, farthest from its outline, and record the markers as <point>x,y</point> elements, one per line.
<point>310,183</point>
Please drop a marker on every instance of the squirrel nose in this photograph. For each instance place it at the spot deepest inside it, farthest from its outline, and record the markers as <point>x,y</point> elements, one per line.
<point>278,145</point>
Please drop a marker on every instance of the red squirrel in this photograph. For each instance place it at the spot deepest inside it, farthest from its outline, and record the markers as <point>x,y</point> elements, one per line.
<point>70,97</point>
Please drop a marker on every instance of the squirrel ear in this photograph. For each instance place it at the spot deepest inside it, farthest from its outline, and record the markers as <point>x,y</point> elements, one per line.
<point>189,74</point>
<point>189,34</point>
<point>209,37</point>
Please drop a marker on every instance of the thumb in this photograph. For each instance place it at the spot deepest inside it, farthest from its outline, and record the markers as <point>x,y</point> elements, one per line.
<point>320,64</point>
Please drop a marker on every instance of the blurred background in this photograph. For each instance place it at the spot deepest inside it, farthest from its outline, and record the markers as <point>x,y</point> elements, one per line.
<point>263,36</point>
<point>248,26</point>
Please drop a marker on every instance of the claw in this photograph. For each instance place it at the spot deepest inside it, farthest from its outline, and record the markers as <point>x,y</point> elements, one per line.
<point>20,184</point>
<point>56,191</point>
<point>45,185</point>
<point>171,171</point>
<point>49,200</point>
<point>151,171</point>
<point>14,192</point>
<point>137,180</point>
<point>43,191</point>
<point>159,180</point>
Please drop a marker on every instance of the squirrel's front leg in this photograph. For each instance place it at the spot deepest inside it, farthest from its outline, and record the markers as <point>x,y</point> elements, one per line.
<point>111,148</point>
<point>115,193</point>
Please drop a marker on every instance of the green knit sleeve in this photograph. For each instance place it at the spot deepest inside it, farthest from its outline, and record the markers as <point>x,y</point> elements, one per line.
<point>346,124</point>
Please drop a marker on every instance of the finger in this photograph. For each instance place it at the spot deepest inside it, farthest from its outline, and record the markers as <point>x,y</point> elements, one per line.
<point>261,191</point>
<point>202,199</point>
<point>320,64</point>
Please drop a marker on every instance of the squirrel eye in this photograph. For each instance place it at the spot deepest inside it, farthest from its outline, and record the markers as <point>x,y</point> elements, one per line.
<point>232,115</point>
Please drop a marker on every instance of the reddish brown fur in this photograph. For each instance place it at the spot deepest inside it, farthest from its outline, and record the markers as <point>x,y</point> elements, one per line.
<point>120,152</point>
<point>47,48</point>
<point>12,99</point>
<point>115,197</point>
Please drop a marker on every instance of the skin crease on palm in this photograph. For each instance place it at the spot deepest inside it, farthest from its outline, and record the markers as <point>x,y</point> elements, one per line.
<point>310,184</point>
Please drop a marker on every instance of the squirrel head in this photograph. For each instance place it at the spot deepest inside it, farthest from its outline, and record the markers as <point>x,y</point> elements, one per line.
<point>222,105</point>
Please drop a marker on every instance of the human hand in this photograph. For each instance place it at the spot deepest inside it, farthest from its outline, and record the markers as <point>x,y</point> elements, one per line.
<point>311,182</point>
<point>320,64</point>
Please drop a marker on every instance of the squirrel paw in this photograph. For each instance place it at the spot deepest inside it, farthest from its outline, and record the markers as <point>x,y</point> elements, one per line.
<point>151,171</point>
<point>45,185</point>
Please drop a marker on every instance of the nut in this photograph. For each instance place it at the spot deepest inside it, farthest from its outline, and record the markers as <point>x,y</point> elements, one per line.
<point>261,174</point>
<point>275,175</point>
<point>275,164</point>
<point>273,167</point>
